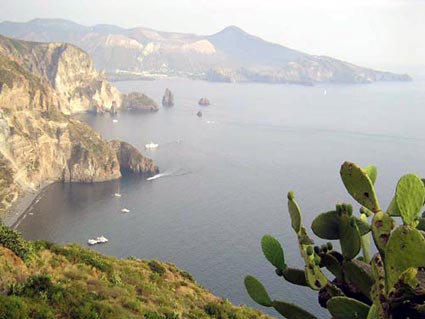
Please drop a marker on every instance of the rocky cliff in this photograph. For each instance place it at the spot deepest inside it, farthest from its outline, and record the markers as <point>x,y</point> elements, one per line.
<point>130,159</point>
<point>40,84</point>
<point>66,69</point>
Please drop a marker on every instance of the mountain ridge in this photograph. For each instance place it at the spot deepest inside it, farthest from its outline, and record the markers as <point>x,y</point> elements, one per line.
<point>230,55</point>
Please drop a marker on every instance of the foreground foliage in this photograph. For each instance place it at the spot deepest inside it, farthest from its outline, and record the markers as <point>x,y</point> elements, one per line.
<point>391,284</point>
<point>41,280</point>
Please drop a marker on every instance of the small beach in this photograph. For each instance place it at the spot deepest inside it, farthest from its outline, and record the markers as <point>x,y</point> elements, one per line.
<point>18,211</point>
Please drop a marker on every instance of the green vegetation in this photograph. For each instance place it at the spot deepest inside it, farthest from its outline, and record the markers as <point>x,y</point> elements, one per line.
<point>391,284</point>
<point>42,280</point>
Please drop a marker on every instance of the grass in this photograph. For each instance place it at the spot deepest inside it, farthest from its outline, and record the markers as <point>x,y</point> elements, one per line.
<point>69,281</point>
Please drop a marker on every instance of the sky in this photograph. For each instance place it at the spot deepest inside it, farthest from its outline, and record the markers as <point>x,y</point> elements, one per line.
<point>385,34</point>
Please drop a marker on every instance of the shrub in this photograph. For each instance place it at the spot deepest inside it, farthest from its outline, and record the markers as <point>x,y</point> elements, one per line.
<point>391,284</point>
<point>13,308</point>
<point>156,267</point>
<point>13,240</point>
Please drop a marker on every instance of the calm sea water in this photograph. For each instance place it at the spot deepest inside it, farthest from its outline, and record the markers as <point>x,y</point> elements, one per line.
<point>227,174</point>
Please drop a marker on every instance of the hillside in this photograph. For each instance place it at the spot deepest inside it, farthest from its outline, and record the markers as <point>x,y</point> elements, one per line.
<point>44,280</point>
<point>230,55</point>
<point>40,85</point>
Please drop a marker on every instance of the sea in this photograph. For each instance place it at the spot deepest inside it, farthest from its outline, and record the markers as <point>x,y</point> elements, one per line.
<point>225,175</point>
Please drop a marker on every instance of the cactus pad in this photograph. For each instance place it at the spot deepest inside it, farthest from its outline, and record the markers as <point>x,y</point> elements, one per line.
<point>326,225</point>
<point>410,197</point>
<point>382,225</point>
<point>349,237</point>
<point>372,172</point>
<point>273,251</point>
<point>295,276</point>
<point>347,308</point>
<point>405,249</point>
<point>359,185</point>
<point>291,311</point>
<point>360,275</point>
<point>294,212</point>
<point>257,291</point>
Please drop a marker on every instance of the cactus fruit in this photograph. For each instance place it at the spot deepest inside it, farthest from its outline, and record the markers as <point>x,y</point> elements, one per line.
<point>257,291</point>
<point>347,308</point>
<point>273,251</point>
<point>359,185</point>
<point>291,311</point>
<point>405,249</point>
<point>410,197</point>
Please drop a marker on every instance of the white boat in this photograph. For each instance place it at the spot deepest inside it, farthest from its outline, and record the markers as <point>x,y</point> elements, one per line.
<point>102,239</point>
<point>125,210</point>
<point>117,195</point>
<point>99,240</point>
<point>325,92</point>
<point>114,121</point>
<point>151,145</point>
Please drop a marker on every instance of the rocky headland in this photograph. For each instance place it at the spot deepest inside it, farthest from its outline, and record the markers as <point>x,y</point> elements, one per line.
<point>138,102</point>
<point>41,84</point>
<point>131,160</point>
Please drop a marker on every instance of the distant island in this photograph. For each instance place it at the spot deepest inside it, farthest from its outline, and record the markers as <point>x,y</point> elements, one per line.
<point>231,55</point>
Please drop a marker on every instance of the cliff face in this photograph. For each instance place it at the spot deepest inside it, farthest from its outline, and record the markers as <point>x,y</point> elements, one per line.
<point>131,160</point>
<point>39,85</point>
<point>63,68</point>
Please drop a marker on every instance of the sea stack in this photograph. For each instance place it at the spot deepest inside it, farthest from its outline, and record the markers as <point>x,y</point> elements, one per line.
<point>168,98</point>
<point>138,102</point>
<point>203,101</point>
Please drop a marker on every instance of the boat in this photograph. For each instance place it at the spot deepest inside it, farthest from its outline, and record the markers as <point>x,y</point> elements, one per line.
<point>114,121</point>
<point>98,240</point>
<point>199,114</point>
<point>117,195</point>
<point>125,210</point>
<point>151,145</point>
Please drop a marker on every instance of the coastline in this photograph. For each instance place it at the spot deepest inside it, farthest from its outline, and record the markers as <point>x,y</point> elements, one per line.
<point>18,211</point>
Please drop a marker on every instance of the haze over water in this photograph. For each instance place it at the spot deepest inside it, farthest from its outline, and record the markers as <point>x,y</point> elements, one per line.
<point>227,174</point>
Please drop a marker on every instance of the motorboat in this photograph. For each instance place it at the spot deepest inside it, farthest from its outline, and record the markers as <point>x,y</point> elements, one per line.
<point>125,210</point>
<point>98,240</point>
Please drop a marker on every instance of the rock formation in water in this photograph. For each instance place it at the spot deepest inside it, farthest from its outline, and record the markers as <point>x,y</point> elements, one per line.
<point>203,101</point>
<point>131,160</point>
<point>199,114</point>
<point>138,102</point>
<point>40,84</point>
<point>168,98</point>
<point>231,55</point>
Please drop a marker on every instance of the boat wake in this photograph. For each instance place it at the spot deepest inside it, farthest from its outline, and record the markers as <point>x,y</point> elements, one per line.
<point>168,173</point>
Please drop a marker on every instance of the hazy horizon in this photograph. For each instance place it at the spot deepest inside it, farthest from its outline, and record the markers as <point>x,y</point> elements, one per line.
<point>378,34</point>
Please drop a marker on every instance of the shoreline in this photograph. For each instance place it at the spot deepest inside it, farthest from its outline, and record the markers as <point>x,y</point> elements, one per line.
<point>18,211</point>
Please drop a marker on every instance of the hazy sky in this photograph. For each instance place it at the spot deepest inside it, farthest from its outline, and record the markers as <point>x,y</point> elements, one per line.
<point>377,33</point>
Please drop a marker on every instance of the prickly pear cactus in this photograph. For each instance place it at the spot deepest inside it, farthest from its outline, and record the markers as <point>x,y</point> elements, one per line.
<point>389,285</point>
